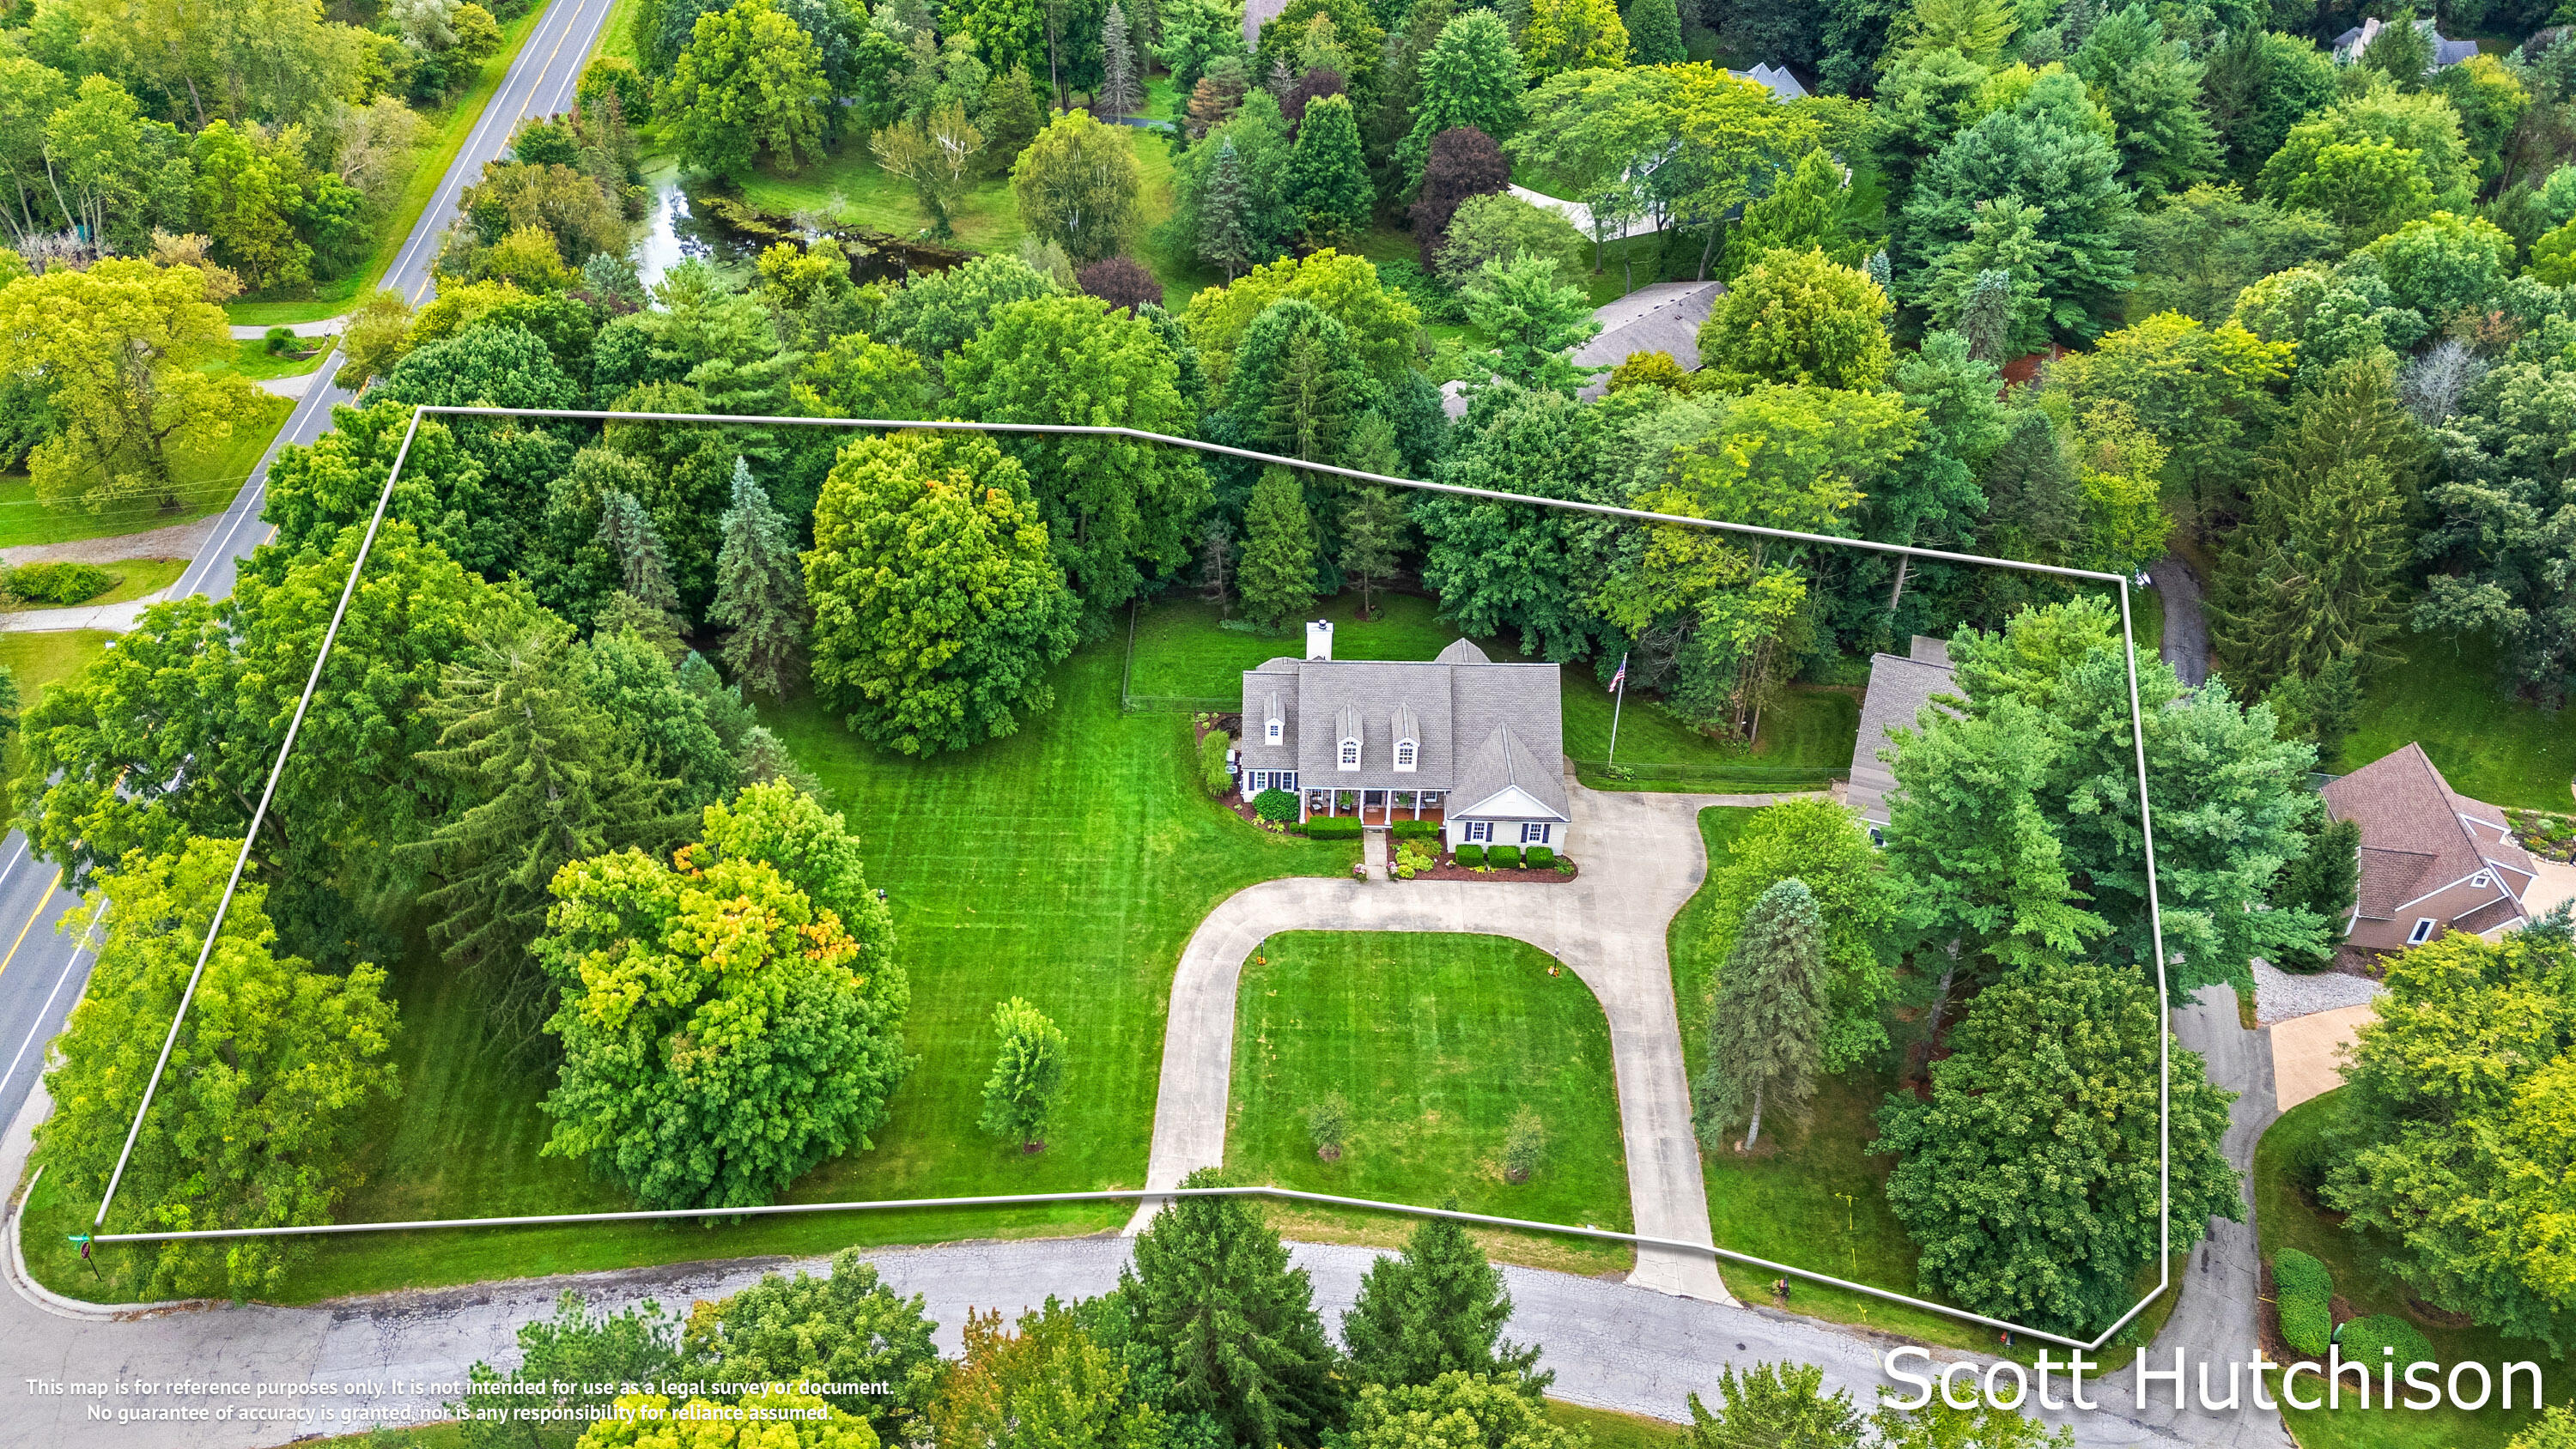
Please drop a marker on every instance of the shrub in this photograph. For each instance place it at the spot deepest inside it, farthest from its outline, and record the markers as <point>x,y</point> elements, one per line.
<point>1506,857</point>
<point>59,583</point>
<point>1334,827</point>
<point>1120,282</point>
<point>278,339</point>
<point>1539,857</point>
<point>1411,856</point>
<point>1212,770</point>
<point>1524,1144</point>
<point>1471,855</point>
<point>1279,807</point>
<point>1327,1122</point>
<point>2363,1339</point>
<point>2304,1292</point>
<point>1416,829</point>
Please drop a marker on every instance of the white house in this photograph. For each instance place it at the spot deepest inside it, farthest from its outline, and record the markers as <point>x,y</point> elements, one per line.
<point>1460,739</point>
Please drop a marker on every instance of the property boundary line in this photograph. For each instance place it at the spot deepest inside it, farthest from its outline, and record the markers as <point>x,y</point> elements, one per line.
<point>375,522</point>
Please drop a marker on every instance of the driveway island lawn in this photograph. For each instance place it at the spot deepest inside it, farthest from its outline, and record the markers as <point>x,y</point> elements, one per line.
<point>1434,1041</point>
<point>1066,864</point>
<point>1189,656</point>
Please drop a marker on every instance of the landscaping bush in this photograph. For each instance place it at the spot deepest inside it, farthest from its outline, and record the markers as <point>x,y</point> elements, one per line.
<point>1334,827</point>
<point>1539,857</point>
<point>1470,855</point>
<point>59,583</point>
<point>1327,1123</point>
<point>1279,807</point>
<point>278,340</point>
<point>1507,857</point>
<point>2363,1338</point>
<point>1416,829</point>
<point>1212,771</point>
<point>2304,1292</point>
<point>1412,856</point>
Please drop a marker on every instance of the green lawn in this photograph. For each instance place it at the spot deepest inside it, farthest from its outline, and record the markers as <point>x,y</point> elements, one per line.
<point>206,484</point>
<point>1066,864</point>
<point>1435,1041</point>
<point>2285,1218</point>
<point>136,578</point>
<point>2488,744</point>
<point>1609,1430</point>
<point>1815,1200</point>
<point>1185,656</point>
<point>253,360</point>
<point>40,659</point>
<point>443,135</point>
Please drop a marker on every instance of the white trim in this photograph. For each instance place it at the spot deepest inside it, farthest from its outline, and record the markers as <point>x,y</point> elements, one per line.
<point>1515,803</point>
<point>2422,933</point>
<point>1541,826</point>
<point>1477,832</point>
<point>2467,880</point>
<point>1349,759</point>
<point>1407,751</point>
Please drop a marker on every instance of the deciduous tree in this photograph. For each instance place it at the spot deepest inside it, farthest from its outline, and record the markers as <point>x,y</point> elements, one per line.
<point>757,947</point>
<point>1534,320</point>
<point>1798,317</point>
<point>2029,1179</point>
<point>844,1332</point>
<point>1077,185</point>
<point>1028,1071</point>
<point>269,1082</point>
<point>1471,76</point>
<point>1051,1381</point>
<point>749,86</point>
<point>1478,1408</point>
<point>938,605</point>
<point>1563,35</point>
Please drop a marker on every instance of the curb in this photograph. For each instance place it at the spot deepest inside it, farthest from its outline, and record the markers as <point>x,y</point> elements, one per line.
<point>18,1141</point>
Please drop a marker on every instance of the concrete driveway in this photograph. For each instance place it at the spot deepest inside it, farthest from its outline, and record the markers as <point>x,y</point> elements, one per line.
<point>1642,857</point>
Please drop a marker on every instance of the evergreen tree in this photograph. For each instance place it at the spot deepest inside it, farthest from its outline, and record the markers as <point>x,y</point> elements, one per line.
<point>1373,531</point>
<point>1211,1297</point>
<point>1120,91</point>
<point>646,600</point>
<point>2312,575</point>
<point>1011,119</point>
<point>1438,1308</point>
<point>1312,395</point>
<point>760,591</point>
<point>543,778</point>
<point>1766,1034</point>
<point>1327,177</point>
<point>1277,576</point>
<point>764,757</point>
<point>1225,212</point>
<point>1655,33</point>
<point>1028,1070</point>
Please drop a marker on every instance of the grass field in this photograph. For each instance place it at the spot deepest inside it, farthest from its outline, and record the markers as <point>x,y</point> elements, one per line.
<point>40,659</point>
<point>2285,1218</point>
<point>1066,864</point>
<point>1434,1041</point>
<point>253,360</point>
<point>442,137</point>
<point>206,484</point>
<point>1182,653</point>
<point>135,578</point>
<point>1817,1200</point>
<point>2488,744</point>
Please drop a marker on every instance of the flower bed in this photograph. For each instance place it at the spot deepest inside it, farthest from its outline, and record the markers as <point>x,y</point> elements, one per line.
<point>2545,834</point>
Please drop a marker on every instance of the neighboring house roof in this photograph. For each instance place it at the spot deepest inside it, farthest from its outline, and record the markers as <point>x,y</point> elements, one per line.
<point>1659,317</point>
<point>1484,730</point>
<point>1664,317</point>
<point>1775,79</point>
<point>1255,12</point>
<point>2446,53</point>
<point>1580,215</point>
<point>1899,688</point>
<point>2419,837</point>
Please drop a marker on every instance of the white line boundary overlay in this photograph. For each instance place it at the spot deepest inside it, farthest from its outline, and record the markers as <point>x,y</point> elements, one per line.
<point>375,523</point>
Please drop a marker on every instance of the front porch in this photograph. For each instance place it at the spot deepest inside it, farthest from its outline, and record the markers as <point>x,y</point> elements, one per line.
<point>1377,807</point>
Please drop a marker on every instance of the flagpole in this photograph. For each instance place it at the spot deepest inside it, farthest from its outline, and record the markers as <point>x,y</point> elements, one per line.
<point>1617,699</point>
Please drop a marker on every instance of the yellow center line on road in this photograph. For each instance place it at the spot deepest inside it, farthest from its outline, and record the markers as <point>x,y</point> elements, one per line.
<point>41,900</point>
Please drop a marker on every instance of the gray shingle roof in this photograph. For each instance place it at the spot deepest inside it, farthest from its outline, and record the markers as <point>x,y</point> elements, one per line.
<point>1899,688</point>
<point>1665,318</point>
<point>1775,79</point>
<point>1458,707</point>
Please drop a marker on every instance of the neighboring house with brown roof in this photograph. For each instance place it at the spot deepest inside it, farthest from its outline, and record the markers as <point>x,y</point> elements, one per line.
<point>2432,860</point>
<point>1459,739</point>
<point>1899,687</point>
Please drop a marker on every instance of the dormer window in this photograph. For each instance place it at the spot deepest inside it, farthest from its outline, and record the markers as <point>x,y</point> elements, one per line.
<point>1347,757</point>
<point>1404,751</point>
<point>1274,725</point>
<point>1408,738</point>
<point>1350,754</point>
<point>1272,731</point>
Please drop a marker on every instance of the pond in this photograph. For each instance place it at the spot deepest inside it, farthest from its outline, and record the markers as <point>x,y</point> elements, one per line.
<point>690,220</point>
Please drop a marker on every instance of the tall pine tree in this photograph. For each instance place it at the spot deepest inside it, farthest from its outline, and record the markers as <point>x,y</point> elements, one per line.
<point>1120,91</point>
<point>1766,1035</point>
<point>1373,529</point>
<point>543,778</point>
<point>1277,576</point>
<point>646,600</point>
<point>1225,214</point>
<point>1439,1308</point>
<point>760,591</point>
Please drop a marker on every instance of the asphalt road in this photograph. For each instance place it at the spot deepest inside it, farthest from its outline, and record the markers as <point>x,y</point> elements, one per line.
<point>41,975</point>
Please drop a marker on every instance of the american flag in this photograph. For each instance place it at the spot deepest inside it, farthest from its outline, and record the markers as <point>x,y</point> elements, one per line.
<point>1620,679</point>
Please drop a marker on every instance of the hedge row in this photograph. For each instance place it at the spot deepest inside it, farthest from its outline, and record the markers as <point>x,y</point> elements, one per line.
<point>1333,827</point>
<point>1416,829</point>
<point>2305,1295</point>
<point>56,583</point>
<point>2363,1340</point>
